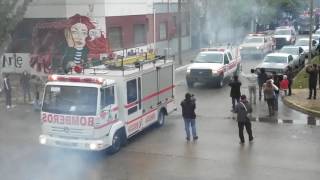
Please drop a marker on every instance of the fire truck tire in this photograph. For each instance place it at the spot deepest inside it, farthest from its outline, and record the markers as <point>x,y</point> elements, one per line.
<point>161,119</point>
<point>116,142</point>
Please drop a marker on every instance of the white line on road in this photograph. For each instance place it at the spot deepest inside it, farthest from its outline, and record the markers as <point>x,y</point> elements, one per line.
<point>181,68</point>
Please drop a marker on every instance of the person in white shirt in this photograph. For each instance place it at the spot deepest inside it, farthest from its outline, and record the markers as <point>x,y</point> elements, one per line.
<point>252,85</point>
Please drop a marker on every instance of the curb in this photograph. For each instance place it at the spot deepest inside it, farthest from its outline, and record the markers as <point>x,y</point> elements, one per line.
<point>300,108</point>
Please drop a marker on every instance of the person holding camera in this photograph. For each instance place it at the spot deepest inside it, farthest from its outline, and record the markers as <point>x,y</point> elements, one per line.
<point>189,116</point>
<point>312,70</point>
<point>243,108</point>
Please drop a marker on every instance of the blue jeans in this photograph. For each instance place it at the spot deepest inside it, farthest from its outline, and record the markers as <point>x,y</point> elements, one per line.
<point>190,122</point>
<point>234,99</point>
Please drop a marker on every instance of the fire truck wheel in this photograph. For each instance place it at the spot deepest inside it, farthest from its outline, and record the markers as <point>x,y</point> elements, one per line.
<point>116,142</point>
<point>161,119</point>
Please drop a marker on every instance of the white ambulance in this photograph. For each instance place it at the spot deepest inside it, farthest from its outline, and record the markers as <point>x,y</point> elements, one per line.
<point>100,108</point>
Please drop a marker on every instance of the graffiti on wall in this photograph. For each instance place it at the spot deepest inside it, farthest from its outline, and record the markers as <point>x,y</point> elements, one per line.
<point>58,46</point>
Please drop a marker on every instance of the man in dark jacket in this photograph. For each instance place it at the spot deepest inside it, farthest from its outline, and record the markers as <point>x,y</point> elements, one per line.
<point>189,116</point>
<point>262,78</point>
<point>289,74</point>
<point>313,79</point>
<point>25,84</point>
<point>242,110</point>
<point>235,91</point>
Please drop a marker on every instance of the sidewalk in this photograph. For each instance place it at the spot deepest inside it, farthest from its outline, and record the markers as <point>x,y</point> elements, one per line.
<point>299,101</point>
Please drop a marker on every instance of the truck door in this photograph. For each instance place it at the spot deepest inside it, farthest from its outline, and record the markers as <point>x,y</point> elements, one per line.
<point>108,107</point>
<point>133,105</point>
<point>226,64</point>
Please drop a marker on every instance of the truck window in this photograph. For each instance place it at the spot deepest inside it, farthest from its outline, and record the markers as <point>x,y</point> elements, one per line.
<point>107,96</point>
<point>71,100</point>
<point>132,95</point>
<point>226,59</point>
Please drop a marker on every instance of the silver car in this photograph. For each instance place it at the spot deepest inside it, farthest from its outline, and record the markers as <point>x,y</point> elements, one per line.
<point>276,62</point>
<point>297,53</point>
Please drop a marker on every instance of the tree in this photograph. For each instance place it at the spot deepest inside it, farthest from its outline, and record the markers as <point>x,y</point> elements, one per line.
<point>11,13</point>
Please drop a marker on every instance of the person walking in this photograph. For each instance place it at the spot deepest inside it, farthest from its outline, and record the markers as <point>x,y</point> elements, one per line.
<point>262,78</point>
<point>235,91</point>
<point>252,83</point>
<point>189,116</point>
<point>25,84</point>
<point>276,82</point>
<point>284,85</point>
<point>269,93</point>
<point>312,70</point>
<point>7,90</point>
<point>37,83</point>
<point>290,75</point>
<point>243,108</point>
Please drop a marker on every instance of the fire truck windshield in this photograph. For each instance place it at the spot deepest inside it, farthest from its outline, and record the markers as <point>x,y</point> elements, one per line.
<point>72,100</point>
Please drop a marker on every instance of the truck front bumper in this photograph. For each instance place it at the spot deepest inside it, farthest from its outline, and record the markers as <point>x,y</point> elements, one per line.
<point>203,79</point>
<point>81,144</point>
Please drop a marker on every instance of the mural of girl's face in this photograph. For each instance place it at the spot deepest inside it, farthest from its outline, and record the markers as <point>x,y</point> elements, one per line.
<point>79,33</point>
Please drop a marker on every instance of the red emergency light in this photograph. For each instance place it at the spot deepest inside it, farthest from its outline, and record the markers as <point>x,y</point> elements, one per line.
<point>94,80</point>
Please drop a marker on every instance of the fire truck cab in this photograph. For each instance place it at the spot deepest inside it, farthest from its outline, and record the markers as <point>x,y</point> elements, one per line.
<point>100,108</point>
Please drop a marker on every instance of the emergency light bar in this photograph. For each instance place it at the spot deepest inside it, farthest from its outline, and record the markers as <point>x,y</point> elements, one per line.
<point>256,34</point>
<point>213,49</point>
<point>93,80</point>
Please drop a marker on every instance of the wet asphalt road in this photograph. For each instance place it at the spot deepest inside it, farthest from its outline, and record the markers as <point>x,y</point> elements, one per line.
<point>285,146</point>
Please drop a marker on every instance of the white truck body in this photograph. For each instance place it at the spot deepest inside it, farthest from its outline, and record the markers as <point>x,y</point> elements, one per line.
<point>213,66</point>
<point>94,109</point>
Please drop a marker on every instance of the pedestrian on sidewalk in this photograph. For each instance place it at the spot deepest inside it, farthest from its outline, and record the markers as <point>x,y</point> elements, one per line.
<point>243,108</point>
<point>36,83</point>
<point>290,76</point>
<point>25,84</point>
<point>189,116</point>
<point>284,85</point>
<point>312,70</point>
<point>262,78</point>
<point>252,83</point>
<point>7,90</point>
<point>269,93</point>
<point>276,82</point>
<point>235,93</point>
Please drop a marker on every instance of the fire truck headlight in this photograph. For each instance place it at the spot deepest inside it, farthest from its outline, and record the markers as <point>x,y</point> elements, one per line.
<point>42,140</point>
<point>93,146</point>
<point>288,38</point>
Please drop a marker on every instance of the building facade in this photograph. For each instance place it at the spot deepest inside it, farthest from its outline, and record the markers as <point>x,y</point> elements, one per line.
<point>53,32</point>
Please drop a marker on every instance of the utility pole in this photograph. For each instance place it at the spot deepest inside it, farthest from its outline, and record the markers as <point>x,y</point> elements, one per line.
<point>310,31</point>
<point>179,32</point>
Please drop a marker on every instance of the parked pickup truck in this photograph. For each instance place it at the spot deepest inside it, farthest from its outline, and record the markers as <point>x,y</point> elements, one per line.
<point>212,66</point>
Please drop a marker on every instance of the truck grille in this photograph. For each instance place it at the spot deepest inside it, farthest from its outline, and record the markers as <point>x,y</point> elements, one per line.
<point>70,132</point>
<point>201,72</point>
<point>270,70</point>
<point>280,42</point>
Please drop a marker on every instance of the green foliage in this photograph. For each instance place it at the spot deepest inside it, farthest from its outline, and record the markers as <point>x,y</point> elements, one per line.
<point>10,15</point>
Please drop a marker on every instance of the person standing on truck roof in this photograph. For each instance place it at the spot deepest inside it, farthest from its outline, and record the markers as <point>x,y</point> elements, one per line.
<point>262,78</point>
<point>235,91</point>
<point>189,116</point>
